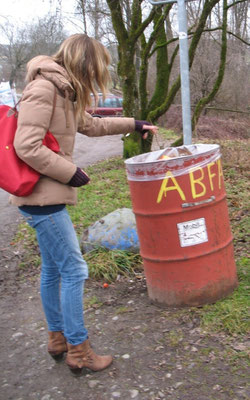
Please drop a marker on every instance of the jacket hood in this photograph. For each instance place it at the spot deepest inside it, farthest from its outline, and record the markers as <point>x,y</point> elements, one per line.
<point>46,67</point>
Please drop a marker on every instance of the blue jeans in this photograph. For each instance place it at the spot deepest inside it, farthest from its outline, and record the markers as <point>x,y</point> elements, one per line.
<point>63,274</point>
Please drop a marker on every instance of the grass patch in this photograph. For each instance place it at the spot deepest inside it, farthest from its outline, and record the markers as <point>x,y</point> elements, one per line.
<point>123,310</point>
<point>168,134</point>
<point>92,302</point>
<point>231,315</point>
<point>235,161</point>
<point>25,240</point>
<point>174,338</point>
<point>108,191</point>
<point>108,265</point>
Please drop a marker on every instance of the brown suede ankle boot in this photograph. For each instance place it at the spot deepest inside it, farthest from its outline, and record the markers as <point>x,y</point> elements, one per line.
<point>83,356</point>
<point>57,345</point>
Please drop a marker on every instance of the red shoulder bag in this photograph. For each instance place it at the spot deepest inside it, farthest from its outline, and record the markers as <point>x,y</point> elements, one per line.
<point>17,177</point>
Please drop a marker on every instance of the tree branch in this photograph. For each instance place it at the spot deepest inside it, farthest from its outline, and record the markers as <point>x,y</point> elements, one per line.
<point>190,34</point>
<point>143,25</point>
<point>236,2</point>
<point>118,24</point>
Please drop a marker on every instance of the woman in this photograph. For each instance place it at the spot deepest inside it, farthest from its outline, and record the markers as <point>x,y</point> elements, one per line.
<point>55,99</point>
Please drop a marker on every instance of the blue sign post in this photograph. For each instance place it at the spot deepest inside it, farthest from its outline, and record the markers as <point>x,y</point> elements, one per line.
<point>184,67</point>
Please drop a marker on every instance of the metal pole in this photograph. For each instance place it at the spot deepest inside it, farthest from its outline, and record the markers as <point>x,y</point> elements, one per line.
<point>184,68</point>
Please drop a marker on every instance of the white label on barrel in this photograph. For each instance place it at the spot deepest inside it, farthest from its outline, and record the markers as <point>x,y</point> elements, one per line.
<point>192,232</point>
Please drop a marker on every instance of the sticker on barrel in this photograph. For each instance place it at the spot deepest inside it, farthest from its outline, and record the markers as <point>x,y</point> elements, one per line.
<point>192,232</point>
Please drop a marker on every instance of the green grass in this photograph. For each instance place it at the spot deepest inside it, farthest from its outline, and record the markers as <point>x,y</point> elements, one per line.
<point>108,265</point>
<point>26,240</point>
<point>108,191</point>
<point>168,134</point>
<point>92,302</point>
<point>231,315</point>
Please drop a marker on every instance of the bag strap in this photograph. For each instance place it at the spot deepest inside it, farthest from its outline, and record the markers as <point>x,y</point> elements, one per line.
<point>14,110</point>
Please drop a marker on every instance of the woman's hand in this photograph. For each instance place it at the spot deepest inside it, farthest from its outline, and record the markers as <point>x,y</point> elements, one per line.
<point>143,127</point>
<point>80,178</point>
<point>152,128</point>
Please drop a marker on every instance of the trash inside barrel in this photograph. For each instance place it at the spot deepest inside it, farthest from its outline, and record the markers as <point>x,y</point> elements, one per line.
<point>179,201</point>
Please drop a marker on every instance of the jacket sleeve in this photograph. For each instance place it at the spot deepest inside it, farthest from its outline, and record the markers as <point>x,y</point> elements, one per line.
<point>33,123</point>
<point>95,126</point>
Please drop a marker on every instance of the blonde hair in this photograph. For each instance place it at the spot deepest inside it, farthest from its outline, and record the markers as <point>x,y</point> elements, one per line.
<point>86,61</point>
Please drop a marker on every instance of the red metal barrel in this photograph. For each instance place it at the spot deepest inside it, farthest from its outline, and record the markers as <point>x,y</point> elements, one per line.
<point>183,224</point>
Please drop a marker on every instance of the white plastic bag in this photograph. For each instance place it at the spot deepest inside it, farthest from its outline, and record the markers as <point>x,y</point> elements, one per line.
<point>7,95</point>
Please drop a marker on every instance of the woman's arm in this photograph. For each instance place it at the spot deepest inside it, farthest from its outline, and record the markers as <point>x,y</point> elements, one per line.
<point>95,126</point>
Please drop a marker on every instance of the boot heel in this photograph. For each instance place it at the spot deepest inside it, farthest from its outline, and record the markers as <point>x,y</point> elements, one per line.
<point>57,345</point>
<point>76,371</point>
<point>57,357</point>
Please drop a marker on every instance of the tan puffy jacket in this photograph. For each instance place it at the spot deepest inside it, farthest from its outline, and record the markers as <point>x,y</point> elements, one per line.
<point>35,120</point>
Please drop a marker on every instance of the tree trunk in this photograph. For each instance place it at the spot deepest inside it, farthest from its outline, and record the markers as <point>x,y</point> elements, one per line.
<point>127,44</point>
<point>127,71</point>
<point>162,74</point>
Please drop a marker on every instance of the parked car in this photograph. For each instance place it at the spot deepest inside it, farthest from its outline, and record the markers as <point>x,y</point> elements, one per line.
<point>111,106</point>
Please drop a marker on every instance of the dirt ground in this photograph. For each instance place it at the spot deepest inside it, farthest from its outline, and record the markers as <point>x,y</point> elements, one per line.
<point>159,353</point>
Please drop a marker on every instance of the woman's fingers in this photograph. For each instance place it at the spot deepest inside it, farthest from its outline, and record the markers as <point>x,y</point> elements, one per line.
<point>152,128</point>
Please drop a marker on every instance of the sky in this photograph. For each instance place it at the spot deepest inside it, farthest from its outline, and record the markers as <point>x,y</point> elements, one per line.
<point>25,10</point>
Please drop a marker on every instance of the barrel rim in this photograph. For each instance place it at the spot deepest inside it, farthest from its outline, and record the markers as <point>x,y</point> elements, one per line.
<point>211,148</point>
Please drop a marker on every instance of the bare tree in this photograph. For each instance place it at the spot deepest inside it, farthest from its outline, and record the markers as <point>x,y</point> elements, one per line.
<point>41,36</point>
<point>46,34</point>
<point>96,19</point>
<point>15,53</point>
<point>204,68</point>
<point>207,98</point>
<point>95,16</point>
